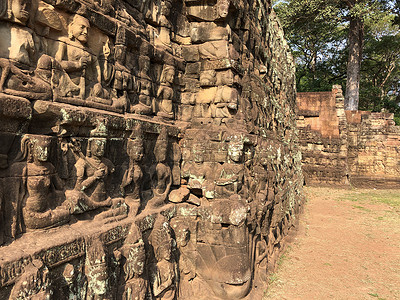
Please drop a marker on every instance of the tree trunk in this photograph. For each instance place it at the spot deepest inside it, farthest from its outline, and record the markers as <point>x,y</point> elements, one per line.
<point>356,35</point>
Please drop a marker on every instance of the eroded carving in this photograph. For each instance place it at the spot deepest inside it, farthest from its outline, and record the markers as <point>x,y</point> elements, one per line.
<point>92,172</point>
<point>211,157</point>
<point>161,172</point>
<point>34,283</point>
<point>165,93</point>
<point>132,181</point>
<point>163,275</point>
<point>39,190</point>
<point>135,284</point>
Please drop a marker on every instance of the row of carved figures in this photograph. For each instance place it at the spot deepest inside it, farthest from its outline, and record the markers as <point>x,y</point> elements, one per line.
<point>68,70</point>
<point>38,195</point>
<point>128,272</point>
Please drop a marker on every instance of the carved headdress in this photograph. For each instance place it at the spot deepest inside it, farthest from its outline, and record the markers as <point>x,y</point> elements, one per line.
<point>137,134</point>
<point>134,252</point>
<point>160,149</point>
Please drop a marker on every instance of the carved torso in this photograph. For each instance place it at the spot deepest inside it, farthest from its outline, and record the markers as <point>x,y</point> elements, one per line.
<point>132,181</point>
<point>86,169</point>
<point>39,186</point>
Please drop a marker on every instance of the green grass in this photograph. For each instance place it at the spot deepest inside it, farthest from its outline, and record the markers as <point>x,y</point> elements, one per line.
<point>362,208</point>
<point>388,197</point>
<point>376,296</point>
<point>272,278</point>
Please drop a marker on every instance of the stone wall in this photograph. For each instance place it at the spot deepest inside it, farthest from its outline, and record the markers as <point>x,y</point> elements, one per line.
<point>353,147</point>
<point>148,149</point>
<point>323,137</point>
<point>374,149</point>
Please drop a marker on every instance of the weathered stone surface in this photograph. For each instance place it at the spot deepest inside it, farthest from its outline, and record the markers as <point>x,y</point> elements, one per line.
<point>148,149</point>
<point>346,147</point>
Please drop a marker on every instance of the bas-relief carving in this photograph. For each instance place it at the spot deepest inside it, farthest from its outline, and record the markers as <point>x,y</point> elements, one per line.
<point>161,175</point>
<point>19,53</point>
<point>34,283</point>
<point>132,181</point>
<point>220,187</point>
<point>163,274</point>
<point>92,172</point>
<point>81,65</point>
<point>165,93</point>
<point>135,284</point>
<point>96,270</point>
<point>37,192</point>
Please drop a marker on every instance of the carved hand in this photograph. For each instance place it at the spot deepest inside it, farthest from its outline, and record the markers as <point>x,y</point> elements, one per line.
<point>83,62</point>
<point>99,174</point>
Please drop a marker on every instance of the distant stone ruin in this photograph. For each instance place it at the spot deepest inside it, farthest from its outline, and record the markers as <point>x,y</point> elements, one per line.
<point>341,147</point>
<point>148,149</point>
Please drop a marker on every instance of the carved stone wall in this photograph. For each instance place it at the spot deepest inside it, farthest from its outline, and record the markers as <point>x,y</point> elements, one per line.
<point>353,147</point>
<point>148,149</point>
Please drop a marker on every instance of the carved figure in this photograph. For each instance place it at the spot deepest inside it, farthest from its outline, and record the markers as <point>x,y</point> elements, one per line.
<point>132,181</point>
<point>186,265</point>
<point>92,172</point>
<point>41,190</point>
<point>231,174</point>
<point>200,175</point>
<point>17,62</point>
<point>161,174</point>
<point>163,276</point>
<point>96,270</point>
<point>164,34</point>
<point>75,284</point>
<point>77,60</point>
<point>165,92</point>
<point>33,283</point>
<point>123,81</point>
<point>144,87</point>
<point>135,258</point>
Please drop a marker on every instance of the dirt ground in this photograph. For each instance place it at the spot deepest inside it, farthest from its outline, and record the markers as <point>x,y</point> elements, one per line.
<point>347,247</point>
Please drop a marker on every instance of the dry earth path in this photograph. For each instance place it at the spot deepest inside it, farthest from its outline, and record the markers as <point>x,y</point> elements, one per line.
<point>347,247</point>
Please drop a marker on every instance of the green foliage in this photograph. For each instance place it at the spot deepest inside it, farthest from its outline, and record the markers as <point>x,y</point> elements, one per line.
<point>317,32</point>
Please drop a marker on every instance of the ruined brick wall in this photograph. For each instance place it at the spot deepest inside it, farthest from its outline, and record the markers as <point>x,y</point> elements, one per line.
<point>323,137</point>
<point>374,146</point>
<point>149,149</point>
<point>338,147</point>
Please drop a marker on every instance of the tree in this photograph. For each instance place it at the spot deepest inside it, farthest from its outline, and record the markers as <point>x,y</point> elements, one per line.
<point>380,84</point>
<point>315,31</point>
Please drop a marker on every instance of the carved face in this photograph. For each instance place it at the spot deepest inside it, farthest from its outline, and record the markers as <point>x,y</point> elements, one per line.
<point>169,75</point>
<point>20,10</point>
<point>182,237</point>
<point>164,250</point>
<point>41,148</point>
<point>79,29</point>
<point>107,48</point>
<point>198,153</point>
<point>98,146</point>
<point>165,8</point>
<point>223,8</point>
<point>249,154</point>
<point>135,150</point>
<point>235,151</point>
